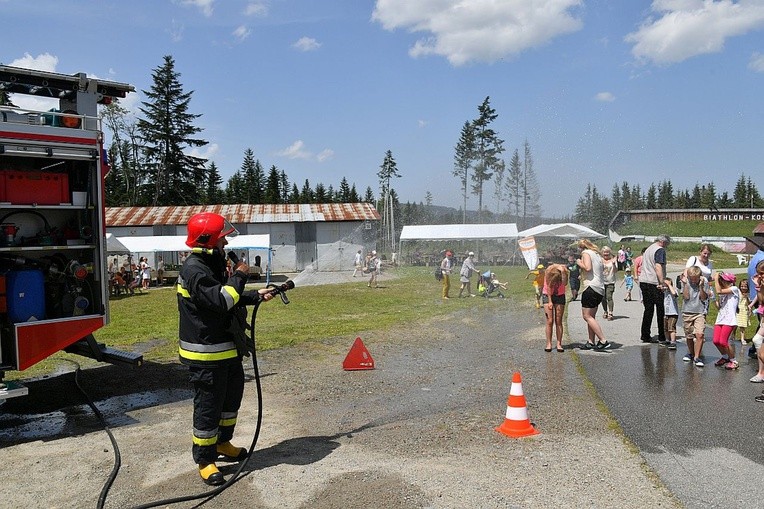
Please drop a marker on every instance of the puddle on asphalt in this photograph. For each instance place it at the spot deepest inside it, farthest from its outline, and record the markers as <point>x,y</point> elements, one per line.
<point>80,419</point>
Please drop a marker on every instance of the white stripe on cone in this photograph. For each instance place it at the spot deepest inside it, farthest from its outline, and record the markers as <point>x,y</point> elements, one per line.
<point>516,389</point>
<point>517,414</point>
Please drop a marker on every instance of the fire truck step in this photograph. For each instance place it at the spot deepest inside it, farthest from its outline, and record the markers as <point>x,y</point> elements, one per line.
<point>89,347</point>
<point>12,389</point>
<point>121,357</point>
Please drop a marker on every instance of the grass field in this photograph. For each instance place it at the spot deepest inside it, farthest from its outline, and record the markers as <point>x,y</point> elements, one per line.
<point>148,322</point>
<point>690,228</point>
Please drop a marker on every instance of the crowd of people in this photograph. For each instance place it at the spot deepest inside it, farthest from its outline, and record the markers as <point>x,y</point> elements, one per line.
<point>130,276</point>
<point>667,303</point>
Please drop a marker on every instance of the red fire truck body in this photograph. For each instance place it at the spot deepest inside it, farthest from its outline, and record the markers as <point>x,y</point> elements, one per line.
<point>53,278</point>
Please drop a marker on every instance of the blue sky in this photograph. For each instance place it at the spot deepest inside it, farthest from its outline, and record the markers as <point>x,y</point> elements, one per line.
<point>604,91</point>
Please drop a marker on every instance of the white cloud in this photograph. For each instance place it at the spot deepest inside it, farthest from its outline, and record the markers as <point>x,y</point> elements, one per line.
<point>43,62</point>
<point>325,155</point>
<point>204,5</point>
<point>681,29</point>
<point>176,31</point>
<point>256,9</point>
<point>295,151</point>
<point>478,30</point>
<point>605,97</point>
<point>306,44</point>
<point>756,63</point>
<point>241,33</point>
<point>422,123</point>
<point>205,152</point>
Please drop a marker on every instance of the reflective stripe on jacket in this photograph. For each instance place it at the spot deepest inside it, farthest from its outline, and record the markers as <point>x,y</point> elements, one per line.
<point>206,300</point>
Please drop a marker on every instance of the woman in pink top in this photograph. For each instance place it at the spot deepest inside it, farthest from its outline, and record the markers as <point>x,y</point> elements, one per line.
<point>553,298</point>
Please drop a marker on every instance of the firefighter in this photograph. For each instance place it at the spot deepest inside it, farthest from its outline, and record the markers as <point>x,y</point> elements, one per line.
<point>212,340</point>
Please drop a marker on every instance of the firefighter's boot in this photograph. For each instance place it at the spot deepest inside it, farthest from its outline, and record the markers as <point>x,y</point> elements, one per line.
<point>211,475</point>
<point>228,452</point>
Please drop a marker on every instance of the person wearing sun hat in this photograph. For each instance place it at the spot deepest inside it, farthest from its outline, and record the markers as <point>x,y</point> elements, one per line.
<point>727,300</point>
<point>468,267</point>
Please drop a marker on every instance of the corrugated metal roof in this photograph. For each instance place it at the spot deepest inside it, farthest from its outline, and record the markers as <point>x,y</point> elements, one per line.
<point>241,214</point>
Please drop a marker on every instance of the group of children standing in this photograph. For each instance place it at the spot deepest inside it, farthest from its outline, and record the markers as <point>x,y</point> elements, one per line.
<point>734,308</point>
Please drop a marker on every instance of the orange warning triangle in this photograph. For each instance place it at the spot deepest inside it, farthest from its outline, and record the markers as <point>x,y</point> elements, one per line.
<point>358,357</point>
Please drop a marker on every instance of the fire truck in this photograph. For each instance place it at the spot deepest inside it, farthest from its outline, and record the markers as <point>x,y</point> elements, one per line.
<point>53,280</point>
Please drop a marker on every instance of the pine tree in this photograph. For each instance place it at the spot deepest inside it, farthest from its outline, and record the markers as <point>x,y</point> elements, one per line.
<point>368,197</point>
<point>284,187</point>
<point>464,155</point>
<point>306,194</point>
<point>344,192</point>
<point>740,194</point>
<point>115,183</point>
<point>488,149</point>
<point>387,171</point>
<point>294,195</point>
<point>250,180</point>
<point>272,189</point>
<point>234,189</point>
<point>708,196</point>
<point>615,198</point>
<point>354,198</point>
<point>514,186</point>
<point>213,194</point>
<point>319,195</point>
<point>498,183</point>
<point>167,130</point>
<point>754,198</point>
<point>652,197</point>
<point>695,197</point>
<point>665,195</point>
<point>532,207</point>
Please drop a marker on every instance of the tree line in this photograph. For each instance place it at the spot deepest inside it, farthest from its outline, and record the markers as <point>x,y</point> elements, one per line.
<point>597,210</point>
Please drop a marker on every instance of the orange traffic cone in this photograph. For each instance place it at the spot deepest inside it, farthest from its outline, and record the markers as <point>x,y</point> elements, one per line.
<point>516,424</point>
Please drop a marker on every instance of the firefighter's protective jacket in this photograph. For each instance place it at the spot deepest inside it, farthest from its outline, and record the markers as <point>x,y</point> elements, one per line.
<point>207,301</point>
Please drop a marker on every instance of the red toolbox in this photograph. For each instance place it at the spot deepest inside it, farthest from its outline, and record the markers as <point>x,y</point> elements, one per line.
<point>28,187</point>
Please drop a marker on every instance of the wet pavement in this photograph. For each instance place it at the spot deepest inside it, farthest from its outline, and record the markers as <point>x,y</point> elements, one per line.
<point>699,429</point>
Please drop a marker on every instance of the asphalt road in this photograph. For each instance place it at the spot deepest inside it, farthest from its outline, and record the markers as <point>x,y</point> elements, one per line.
<point>698,428</point>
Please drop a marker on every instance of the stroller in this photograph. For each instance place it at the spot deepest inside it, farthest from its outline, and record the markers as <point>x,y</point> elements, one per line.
<point>487,286</point>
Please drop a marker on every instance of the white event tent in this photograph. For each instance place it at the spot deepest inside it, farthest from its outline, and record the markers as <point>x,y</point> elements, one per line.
<point>564,230</point>
<point>436,232</point>
<point>177,243</point>
<point>114,246</point>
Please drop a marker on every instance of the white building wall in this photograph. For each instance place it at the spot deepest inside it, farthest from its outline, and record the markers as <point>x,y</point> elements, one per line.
<point>336,244</point>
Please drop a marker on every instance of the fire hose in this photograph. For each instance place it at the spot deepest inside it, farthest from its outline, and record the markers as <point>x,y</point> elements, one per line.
<point>279,290</point>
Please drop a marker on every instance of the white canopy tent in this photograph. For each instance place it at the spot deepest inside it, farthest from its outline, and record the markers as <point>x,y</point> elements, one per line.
<point>564,230</point>
<point>114,246</point>
<point>153,244</point>
<point>438,232</point>
<point>177,243</point>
